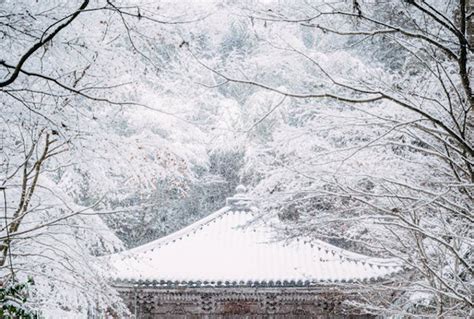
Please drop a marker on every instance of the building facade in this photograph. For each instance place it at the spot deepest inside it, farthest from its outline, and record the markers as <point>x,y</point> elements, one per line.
<point>232,264</point>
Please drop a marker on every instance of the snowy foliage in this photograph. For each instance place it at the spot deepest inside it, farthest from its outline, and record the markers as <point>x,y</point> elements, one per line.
<point>351,121</point>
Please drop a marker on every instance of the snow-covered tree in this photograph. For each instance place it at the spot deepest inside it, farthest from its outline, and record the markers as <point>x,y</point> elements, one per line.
<point>84,122</point>
<point>129,119</point>
<point>374,148</point>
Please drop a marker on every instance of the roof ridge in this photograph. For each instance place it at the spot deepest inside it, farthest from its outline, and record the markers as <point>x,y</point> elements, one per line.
<point>342,253</point>
<point>353,256</point>
<point>192,228</point>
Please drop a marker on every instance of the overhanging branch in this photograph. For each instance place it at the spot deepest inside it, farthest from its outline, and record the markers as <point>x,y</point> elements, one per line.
<point>40,44</point>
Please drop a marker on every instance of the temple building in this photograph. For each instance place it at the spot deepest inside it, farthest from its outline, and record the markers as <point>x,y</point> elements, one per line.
<point>230,264</point>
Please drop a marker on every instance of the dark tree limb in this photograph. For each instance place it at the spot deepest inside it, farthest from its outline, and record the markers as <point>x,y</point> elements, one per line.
<point>40,44</point>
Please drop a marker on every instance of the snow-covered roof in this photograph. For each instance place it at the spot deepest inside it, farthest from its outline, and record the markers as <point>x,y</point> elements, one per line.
<point>231,248</point>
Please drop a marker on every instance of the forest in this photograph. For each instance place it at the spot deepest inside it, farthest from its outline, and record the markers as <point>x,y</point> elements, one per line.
<point>122,121</point>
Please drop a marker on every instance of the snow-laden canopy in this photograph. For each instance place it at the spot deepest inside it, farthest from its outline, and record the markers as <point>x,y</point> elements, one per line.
<point>234,247</point>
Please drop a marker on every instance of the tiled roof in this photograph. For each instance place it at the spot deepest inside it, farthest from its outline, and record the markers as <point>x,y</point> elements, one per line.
<point>231,248</point>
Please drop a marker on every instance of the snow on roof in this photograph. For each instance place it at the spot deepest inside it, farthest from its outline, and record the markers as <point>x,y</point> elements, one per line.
<point>231,248</point>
